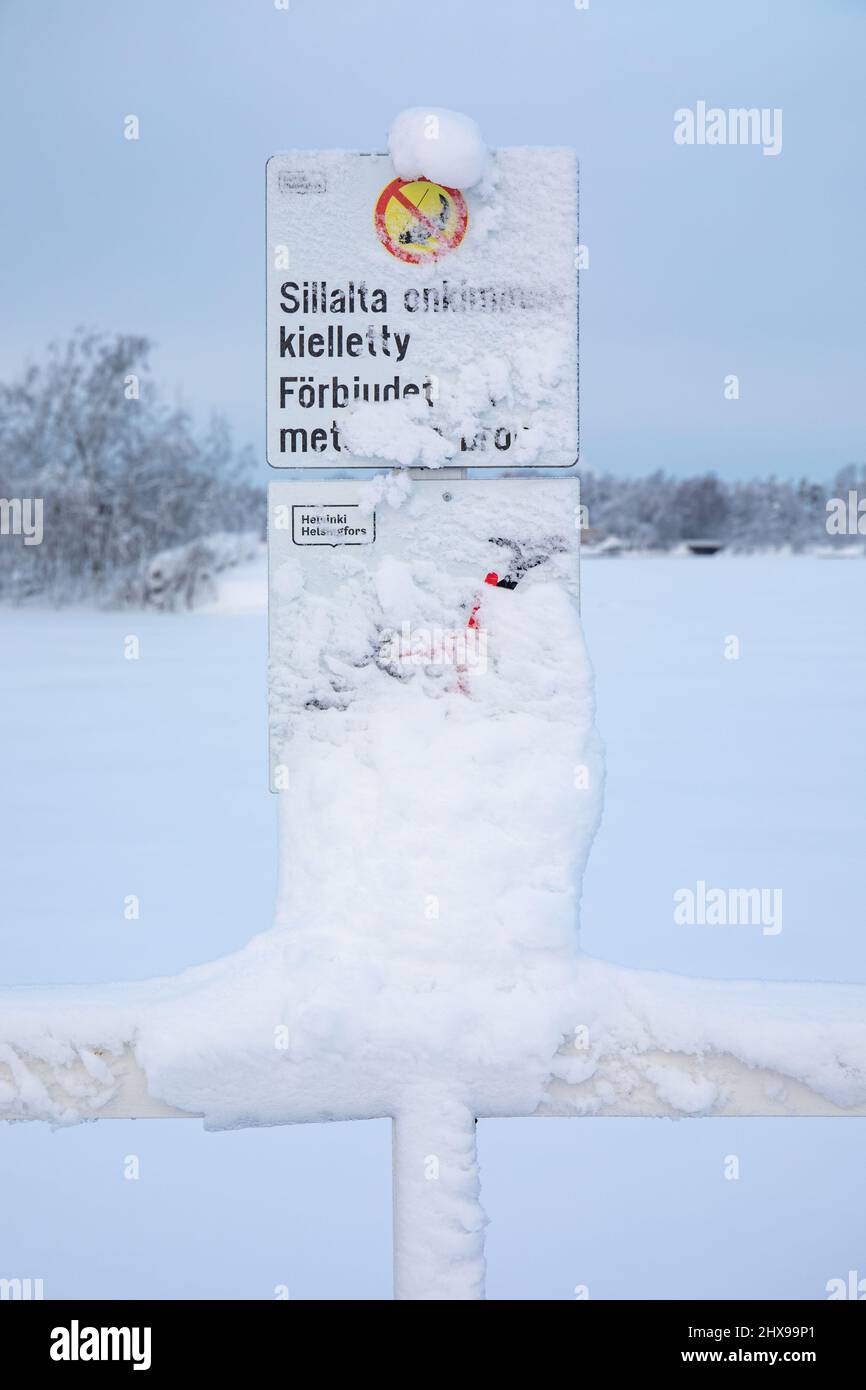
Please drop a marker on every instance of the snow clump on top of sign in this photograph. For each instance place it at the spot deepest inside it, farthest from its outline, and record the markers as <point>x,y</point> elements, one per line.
<point>445,146</point>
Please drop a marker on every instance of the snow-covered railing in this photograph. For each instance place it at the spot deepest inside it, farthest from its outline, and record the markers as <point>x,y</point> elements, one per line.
<point>645,1045</point>
<point>649,1044</point>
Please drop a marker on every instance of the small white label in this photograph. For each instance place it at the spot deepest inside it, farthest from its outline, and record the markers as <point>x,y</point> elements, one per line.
<point>302,181</point>
<point>351,524</point>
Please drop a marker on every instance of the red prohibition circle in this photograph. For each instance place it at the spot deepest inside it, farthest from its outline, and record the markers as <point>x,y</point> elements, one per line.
<point>394,190</point>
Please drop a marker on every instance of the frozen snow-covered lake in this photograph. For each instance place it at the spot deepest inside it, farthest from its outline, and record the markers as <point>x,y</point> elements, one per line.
<point>148,777</point>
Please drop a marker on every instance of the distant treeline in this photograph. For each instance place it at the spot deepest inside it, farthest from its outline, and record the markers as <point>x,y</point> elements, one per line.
<point>660,512</point>
<point>122,478</point>
<point>136,505</point>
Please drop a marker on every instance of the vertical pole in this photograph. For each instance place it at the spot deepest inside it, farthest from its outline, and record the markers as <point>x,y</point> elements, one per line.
<point>438,1218</point>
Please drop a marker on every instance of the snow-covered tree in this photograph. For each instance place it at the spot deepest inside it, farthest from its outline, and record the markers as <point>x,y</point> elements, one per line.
<point>121,475</point>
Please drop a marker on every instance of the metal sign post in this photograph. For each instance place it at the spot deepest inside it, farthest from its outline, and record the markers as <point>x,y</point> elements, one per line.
<point>422,331</point>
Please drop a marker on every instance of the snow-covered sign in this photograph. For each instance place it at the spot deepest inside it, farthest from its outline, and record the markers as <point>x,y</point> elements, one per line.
<point>381,598</point>
<point>411,323</point>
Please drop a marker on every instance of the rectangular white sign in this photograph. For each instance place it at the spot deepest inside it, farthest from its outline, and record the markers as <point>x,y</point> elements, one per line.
<point>411,324</point>
<point>352,607</point>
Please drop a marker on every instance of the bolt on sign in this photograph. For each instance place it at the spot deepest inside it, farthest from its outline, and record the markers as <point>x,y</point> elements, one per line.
<point>413,324</point>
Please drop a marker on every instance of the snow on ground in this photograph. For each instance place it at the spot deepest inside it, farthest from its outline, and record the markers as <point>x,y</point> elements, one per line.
<point>99,707</point>
<point>737,772</point>
<point>241,589</point>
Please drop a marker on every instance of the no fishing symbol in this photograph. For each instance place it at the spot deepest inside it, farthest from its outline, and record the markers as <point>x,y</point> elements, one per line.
<point>419,221</point>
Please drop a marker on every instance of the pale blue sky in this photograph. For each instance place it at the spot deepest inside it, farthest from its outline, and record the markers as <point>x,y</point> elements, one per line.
<point>703,261</point>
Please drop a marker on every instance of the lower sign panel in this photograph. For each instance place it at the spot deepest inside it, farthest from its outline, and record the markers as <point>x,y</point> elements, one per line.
<point>391,593</point>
